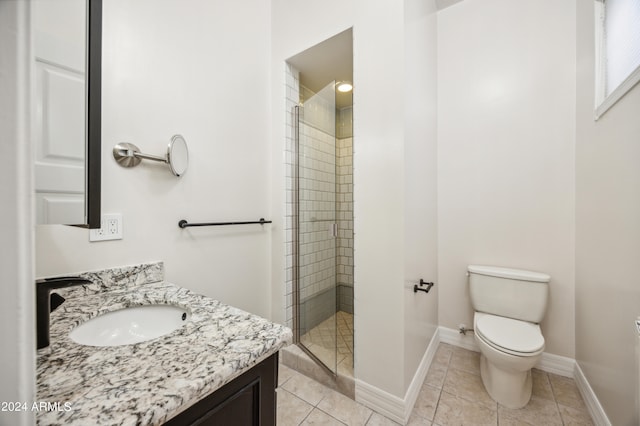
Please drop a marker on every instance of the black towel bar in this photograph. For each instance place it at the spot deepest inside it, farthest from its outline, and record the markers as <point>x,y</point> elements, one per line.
<point>184,224</point>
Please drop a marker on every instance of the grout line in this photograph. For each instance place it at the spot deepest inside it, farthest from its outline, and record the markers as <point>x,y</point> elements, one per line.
<point>437,405</point>
<point>297,397</point>
<point>305,417</point>
<point>369,418</point>
<point>329,414</point>
<point>555,399</point>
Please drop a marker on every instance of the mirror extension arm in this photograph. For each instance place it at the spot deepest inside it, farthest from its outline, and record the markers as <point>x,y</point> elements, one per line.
<point>129,155</point>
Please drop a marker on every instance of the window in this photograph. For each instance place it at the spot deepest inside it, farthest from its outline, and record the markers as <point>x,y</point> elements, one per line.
<point>617,51</point>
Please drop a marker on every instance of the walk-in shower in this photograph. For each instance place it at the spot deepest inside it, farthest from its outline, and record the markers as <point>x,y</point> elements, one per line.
<point>320,205</point>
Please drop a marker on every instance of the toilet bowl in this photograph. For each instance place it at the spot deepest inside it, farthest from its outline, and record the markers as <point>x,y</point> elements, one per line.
<point>509,348</point>
<point>509,305</point>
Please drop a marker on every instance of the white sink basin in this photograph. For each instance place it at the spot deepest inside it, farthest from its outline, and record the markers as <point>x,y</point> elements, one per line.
<point>130,325</point>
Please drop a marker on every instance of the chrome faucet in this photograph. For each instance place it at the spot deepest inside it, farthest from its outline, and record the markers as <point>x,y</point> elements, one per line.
<point>47,303</point>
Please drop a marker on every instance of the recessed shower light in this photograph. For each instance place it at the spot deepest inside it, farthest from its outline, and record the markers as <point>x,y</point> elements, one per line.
<point>344,86</point>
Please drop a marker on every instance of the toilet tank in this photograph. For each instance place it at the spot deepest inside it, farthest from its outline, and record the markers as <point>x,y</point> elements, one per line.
<point>512,293</point>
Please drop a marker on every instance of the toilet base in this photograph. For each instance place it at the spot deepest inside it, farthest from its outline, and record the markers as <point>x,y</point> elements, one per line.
<point>510,388</point>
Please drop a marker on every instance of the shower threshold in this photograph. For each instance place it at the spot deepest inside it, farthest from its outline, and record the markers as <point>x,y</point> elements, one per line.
<point>296,358</point>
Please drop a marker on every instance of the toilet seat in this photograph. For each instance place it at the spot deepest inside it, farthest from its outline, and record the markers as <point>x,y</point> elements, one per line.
<point>509,335</point>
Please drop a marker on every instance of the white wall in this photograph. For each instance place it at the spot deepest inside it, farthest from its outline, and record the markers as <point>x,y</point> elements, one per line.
<point>17,311</point>
<point>506,89</point>
<point>202,71</point>
<point>379,194</point>
<point>420,180</point>
<point>607,237</point>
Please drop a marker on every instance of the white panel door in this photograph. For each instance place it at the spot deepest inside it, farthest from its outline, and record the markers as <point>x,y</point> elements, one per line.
<point>60,135</point>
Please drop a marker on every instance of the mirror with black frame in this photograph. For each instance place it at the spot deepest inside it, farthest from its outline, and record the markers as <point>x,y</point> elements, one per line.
<point>67,52</point>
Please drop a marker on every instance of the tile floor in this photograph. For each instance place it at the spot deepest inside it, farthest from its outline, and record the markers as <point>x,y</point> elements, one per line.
<point>452,394</point>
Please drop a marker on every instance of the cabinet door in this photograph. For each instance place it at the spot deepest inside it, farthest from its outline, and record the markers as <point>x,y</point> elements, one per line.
<point>248,400</point>
<point>242,408</point>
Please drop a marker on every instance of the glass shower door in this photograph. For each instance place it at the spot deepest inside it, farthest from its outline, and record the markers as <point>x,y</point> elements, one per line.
<point>317,227</point>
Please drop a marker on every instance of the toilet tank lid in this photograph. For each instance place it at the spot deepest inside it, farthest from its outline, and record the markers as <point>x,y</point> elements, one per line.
<point>514,274</point>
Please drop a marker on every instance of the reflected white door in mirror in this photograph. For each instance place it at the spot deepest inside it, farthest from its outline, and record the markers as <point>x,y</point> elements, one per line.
<point>59,60</point>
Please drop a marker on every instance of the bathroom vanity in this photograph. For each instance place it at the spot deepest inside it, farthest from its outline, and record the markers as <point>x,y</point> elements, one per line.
<point>219,367</point>
<point>247,400</point>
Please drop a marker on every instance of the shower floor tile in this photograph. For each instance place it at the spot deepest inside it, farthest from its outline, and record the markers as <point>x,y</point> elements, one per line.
<point>323,342</point>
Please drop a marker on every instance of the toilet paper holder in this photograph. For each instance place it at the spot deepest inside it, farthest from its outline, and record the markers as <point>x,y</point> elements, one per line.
<point>422,282</point>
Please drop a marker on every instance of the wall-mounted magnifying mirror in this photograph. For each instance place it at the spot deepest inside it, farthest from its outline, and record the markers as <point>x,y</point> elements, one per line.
<point>177,157</point>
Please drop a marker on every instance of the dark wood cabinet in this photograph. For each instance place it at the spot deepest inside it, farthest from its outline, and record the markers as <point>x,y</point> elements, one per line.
<point>249,399</point>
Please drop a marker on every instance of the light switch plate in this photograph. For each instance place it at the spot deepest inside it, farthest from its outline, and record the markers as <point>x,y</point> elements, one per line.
<point>110,228</point>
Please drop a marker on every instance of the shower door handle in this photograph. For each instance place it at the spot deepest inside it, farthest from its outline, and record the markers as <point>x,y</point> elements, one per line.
<point>333,230</point>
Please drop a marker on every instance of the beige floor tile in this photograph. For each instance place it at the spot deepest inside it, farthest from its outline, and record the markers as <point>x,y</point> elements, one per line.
<point>453,410</point>
<point>455,348</point>
<point>468,386</point>
<point>380,420</point>
<point>452,394</point>
<point>566,392</point>
<point>319,417</point>
<point>574,417</point>
<point>305,388</point>
<point>291,410</point>
<point>344,409</point>
<point>541,385</point>
<point>465,360</point>
<point>436,375</point>
<point>284,374</point>
<point>426,402</point>
<point>416,420</point>
<point>537,412</point>
<point>443,354</point>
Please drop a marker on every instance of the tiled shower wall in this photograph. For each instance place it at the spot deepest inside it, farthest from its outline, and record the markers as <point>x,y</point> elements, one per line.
<point>326,189</point>
<point>292,99</point>
<point>344,188</point>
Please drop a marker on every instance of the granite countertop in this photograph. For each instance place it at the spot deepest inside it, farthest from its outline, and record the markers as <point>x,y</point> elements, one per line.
<point>150,382</point>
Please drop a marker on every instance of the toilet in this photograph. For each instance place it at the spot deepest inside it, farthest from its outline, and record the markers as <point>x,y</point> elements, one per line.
<point>509,305</point>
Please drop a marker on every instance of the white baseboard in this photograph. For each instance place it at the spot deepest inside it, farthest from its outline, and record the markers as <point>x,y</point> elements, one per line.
<point>421,374</point>
<point>396,408</point>
<point>455,338</point>
<point>598,415</point>
<point>556,364</point>
<point>388,405</point>
<point>550,363</point>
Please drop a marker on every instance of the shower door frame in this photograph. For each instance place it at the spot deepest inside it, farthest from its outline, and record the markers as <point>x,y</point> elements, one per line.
<point>295,251</point>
